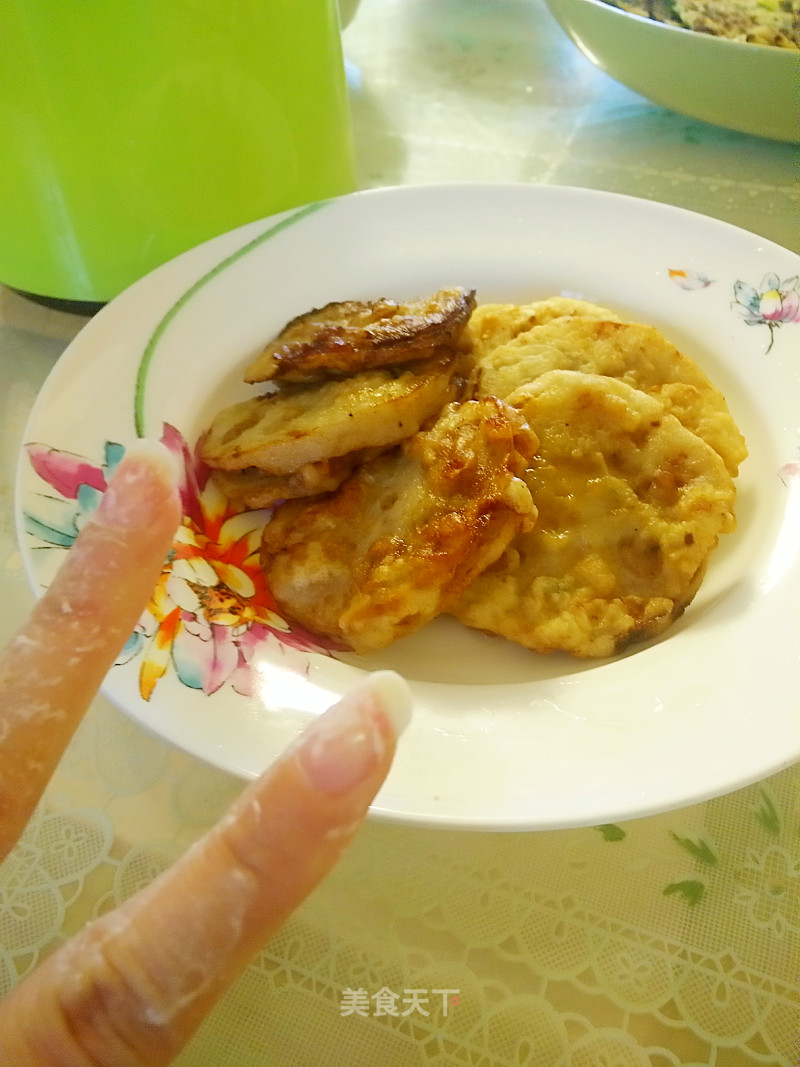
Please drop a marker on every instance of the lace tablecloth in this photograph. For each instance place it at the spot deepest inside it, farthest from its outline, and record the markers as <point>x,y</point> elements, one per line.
<point>669,940</point>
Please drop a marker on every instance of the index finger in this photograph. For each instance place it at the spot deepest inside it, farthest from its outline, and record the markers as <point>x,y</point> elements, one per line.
<point>51,670</point>
<point>131,987</point>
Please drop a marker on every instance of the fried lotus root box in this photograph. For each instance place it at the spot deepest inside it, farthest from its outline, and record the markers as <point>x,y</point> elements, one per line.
<point>407,532</point>
<point>344,382</point>
<point>631,504</point>
<point>634,487</point>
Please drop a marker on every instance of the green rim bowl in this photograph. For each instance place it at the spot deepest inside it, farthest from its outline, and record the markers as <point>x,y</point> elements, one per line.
<point>746,87</point>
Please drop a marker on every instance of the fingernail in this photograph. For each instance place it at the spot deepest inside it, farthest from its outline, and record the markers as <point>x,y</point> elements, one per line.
<point>343,746</point>
<point>135,494</point>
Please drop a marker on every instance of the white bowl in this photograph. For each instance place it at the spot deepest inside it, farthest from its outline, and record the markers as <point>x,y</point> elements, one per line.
<point>746,87</point>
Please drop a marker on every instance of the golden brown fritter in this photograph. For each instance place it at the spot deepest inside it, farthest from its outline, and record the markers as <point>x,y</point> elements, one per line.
<point>401,504</point>
<point>345,338</point>
<point>407,532</point>
<point>253,488</point>
<point>300,424</point>
<point>630,503</point>
<point>636,354</point>
<point>491,325</point>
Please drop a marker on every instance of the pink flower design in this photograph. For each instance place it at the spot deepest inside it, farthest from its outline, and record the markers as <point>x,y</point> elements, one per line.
<point>773,304</point>
<point>211,609</point>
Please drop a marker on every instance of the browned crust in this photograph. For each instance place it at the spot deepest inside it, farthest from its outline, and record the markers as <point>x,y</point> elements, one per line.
<point>351,336</point>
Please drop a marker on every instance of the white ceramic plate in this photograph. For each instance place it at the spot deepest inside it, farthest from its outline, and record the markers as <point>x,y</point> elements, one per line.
<point>502,738</point>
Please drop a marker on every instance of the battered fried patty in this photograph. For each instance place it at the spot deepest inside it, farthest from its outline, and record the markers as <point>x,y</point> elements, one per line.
<point>351,336</point>
<point>631,504</point>
<point>491,325</point>
<point>283,431</point>
<point>631,352</point>
<point>254,488</point>
<point>407,532</point>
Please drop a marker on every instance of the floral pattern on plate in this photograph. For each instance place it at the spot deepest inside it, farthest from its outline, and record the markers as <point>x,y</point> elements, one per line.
<point>211,608</point>
<point>775,302</point>
<point>690,279</point>
<point>790,469</point>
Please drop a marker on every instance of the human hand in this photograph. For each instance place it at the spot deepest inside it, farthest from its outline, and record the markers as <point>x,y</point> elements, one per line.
<point>131,987</point>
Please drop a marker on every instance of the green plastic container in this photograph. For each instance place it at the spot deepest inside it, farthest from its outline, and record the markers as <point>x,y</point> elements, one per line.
<point>131,130</point>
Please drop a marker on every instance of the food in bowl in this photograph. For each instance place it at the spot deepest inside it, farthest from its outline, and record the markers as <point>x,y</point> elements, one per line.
<point>769,22</point>
<point>565,491</point>
<point>730,83</point>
